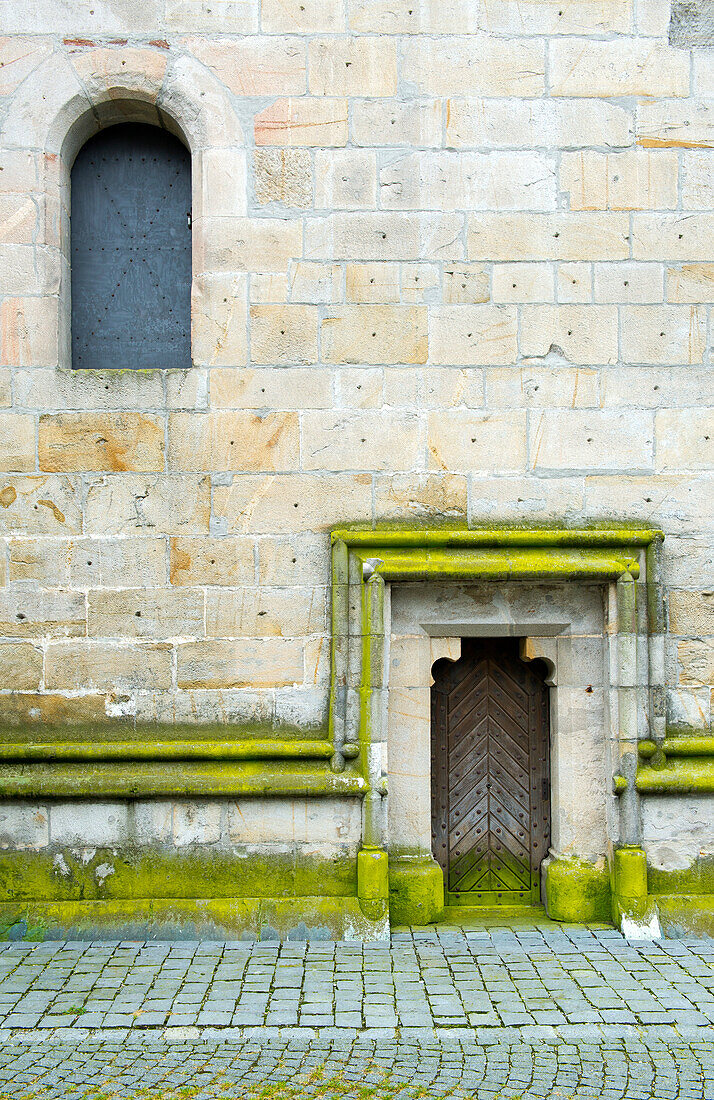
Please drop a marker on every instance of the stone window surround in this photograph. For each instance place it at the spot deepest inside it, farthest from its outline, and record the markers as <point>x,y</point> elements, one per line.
<point>116,84</point>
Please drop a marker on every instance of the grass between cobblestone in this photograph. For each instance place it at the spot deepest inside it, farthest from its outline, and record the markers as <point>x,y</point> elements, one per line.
<point>314,1084</point>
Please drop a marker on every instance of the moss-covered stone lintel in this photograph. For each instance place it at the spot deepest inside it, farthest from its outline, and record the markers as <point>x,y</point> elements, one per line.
<point>183,779</point>
<point>509,535</point>
<point>244,918</point>
<point>498,563</point>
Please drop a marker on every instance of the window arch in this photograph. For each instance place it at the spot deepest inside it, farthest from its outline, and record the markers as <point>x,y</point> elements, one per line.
<point>131,250</point>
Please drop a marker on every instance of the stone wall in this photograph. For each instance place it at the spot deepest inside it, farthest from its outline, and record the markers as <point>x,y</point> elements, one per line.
<point>451,259</point>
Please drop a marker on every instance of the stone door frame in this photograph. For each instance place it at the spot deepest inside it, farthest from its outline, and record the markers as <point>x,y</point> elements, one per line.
<point>365,562</point>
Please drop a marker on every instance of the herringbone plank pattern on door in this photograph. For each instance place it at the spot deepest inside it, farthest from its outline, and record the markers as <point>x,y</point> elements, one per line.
<point>490,789</point>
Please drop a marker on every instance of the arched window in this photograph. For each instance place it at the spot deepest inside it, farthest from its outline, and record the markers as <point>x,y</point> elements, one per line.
<point>131,250</point>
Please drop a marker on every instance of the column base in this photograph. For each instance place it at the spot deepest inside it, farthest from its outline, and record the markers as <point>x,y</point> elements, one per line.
<point>416,890</point>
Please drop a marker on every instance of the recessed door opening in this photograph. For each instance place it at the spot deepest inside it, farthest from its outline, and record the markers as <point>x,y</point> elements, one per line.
<point>490,774</point>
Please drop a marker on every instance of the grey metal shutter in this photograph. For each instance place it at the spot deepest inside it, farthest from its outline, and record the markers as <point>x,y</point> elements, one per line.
<point>131,251</point>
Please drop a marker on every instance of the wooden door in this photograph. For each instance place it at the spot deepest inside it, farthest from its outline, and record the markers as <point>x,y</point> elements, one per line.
<point>490,777</point>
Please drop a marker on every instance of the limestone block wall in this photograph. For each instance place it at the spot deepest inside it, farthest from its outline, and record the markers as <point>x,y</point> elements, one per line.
<point>451,259</point>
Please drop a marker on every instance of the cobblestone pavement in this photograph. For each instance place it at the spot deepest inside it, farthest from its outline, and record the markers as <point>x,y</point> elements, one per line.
<point>501,1013</point>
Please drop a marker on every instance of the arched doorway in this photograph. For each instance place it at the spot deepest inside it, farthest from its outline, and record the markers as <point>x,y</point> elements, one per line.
<point>490,778</point>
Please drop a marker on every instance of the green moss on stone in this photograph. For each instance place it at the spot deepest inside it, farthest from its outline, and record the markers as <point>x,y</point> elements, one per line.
<point>696,879</point>
<point>165,873</point>
<point>247,918</point>
<point>416,890</point>
<point>577,891</point>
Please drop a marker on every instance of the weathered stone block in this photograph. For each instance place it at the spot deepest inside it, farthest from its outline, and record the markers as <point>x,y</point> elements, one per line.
<point>375,334</point>
<point>575,283</point>
<point>696,662</point>
<point>271,388</point>
<point>107,666</point>
<point>153,505</point>
<point>663,124</point>
<point>628,282</point>
<point>44,561</point>
<point>365,440</point>
<point>453,66</point>
<point>620,67</point>
<point>283,334</point>
<point>302,16</point>
<point>691,25</point>
<point>358,388</point>
<point>569,236</point>
<point>597,439</point>
<point>116,563</point>
<point>246,244</point>
<point>314,282</point>
<point>20,667</point>
<point>284,176</point>
<point>581,17</point>
<point>582,334</point>
<point>672,236</point>
<point>663,334</point>
<point>208,561</point>
<point>293,502</point>
<point>477,442</point>
<point>472,334</point>
<point>684,439</point>
<point>345,179</point>
<point>691,612</point>
<point>228,440</point>
<point>361,66</point>
<point>145,613</point>
<point>196,823</point>
<point>256,612</point>
<point>101,441</point>
<point>634,180</point>
<point>380,235</point>
<point>690,283</point>
<point>219,16</point>
<point>248,662</point>
<point>471,181</point>
<point>36,613</point>
<point>318,121</point>
<point>256,65</point>
<point>17,442</point>
<point>558,123</point>
<point>464,283</point>
<point>219,315</point>
<point>420,496</point>
<point>24,825</point>
<point>535,386</point>
<point>96,824</point>
<point>46,505</point>
<point>377,282</point>
<point>396,122</point>
<point>521,283</point>
<point>29,335</point>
